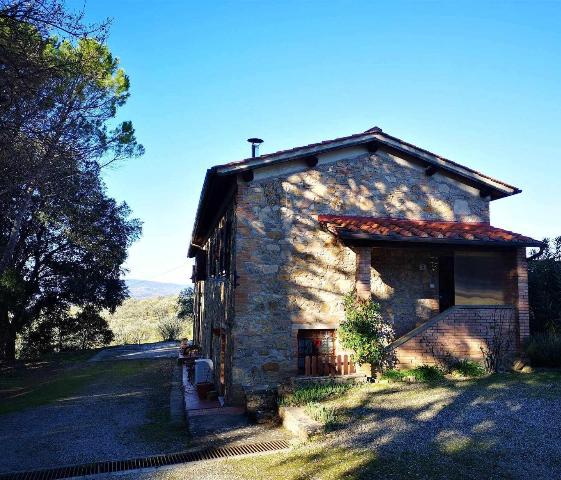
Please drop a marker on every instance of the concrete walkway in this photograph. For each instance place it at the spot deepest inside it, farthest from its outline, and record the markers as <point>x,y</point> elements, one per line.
<point>212,425</point>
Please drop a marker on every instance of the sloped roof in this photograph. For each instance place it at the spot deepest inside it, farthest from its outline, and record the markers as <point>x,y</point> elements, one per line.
<point>371,136</point>
<point>220,178</point>
<point>421,231</point>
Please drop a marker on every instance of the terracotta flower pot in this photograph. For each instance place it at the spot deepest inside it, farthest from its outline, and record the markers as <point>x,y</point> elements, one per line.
<point>203,389</point>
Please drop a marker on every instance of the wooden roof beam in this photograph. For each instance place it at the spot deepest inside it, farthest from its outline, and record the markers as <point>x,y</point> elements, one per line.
<point>430,170</point>
<point>311,161</point>
<point>247,176</point>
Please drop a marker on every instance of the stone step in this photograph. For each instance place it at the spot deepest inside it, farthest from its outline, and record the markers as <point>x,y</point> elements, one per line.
<point>295,420</point>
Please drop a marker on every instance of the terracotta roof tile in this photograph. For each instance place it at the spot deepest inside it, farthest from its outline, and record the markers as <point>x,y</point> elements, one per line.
<point>395,229</point>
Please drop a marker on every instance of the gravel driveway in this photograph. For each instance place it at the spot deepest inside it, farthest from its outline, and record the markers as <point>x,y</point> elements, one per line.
<point>506,426</point>
<point>118,416</point>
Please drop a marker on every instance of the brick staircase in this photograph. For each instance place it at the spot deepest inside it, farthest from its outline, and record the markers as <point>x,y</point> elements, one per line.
<point>458,332</point>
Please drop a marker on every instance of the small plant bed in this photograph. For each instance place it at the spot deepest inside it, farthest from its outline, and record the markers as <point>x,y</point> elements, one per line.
<point>324,414</point>
<point>467,369</point>
<point>434,374</point>
<point>423,374</point>
<point>309,398</point>
<point>311,393</point>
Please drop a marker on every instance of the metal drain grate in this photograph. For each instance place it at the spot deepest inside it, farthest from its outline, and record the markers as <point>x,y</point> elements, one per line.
<point>147,462</point>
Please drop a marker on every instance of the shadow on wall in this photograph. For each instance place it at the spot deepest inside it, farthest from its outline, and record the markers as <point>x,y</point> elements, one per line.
<point>297,273</point>
<point>405,283</point>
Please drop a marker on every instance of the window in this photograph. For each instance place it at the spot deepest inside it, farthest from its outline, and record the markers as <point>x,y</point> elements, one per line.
<point>220,249</point>
<point>481,278</point>
<point>199,270</point>
<point>314,342</point>
<point>227,247</point>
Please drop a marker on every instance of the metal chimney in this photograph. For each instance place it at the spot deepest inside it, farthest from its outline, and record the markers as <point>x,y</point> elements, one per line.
<point>255,142</point>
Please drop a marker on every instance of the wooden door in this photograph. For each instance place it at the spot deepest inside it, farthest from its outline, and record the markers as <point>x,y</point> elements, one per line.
<point>222,363</point>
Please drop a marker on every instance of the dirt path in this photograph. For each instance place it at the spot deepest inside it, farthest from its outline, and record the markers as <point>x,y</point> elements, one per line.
<point>137,352</point>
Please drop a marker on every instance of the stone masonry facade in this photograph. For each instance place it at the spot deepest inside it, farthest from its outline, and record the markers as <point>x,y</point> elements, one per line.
<point>292,275</point>
<point>287,274</point>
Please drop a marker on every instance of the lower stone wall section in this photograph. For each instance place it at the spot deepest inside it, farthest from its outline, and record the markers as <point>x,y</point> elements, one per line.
<point>458,333</point>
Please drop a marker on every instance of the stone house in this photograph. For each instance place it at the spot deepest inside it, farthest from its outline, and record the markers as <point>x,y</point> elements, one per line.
<point>280,238</point>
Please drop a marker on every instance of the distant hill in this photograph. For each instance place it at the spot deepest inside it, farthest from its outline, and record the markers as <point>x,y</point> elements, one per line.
<point>148,289</point>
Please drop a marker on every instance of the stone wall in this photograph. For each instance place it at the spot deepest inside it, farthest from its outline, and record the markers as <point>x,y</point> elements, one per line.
<point>405,283</point>
<point>214,312</point>
<point>457,333</point>
<point>292,275</point>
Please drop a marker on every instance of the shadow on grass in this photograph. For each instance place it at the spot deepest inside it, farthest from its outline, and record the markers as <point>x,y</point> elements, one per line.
<point>497,427</point>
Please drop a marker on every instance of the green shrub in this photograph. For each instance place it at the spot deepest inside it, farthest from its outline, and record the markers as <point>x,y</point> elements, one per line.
<point>544,350</point>
<point>170,328</point>
<point>395,375</point>
<point>137,319</point>
<point>422,373</point>
<point>321,413</point>
<point>427,373</point>
<point>468,368</point>
<point>314,393</point>
<point>366,332</point>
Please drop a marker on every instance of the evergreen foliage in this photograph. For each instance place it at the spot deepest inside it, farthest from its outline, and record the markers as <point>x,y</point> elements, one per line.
<point>63,241</point>
<point>544,288</point>
<point>365,332</point>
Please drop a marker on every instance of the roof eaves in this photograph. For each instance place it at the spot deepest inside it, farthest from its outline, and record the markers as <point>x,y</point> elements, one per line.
<point>204,190</point>
<point>445,163</point>
<point>373,135</point>
<point>293,154</point>
<point>347,235</point>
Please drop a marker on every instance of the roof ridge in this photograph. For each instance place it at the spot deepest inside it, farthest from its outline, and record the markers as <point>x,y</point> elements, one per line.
<point>371,131</point>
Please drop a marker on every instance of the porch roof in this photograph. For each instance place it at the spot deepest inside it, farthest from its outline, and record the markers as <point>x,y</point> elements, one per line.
<point>384,229</point>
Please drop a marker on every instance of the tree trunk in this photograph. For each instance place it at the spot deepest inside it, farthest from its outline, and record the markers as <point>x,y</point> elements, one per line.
<point>8,340</point>
<point>15,232</point>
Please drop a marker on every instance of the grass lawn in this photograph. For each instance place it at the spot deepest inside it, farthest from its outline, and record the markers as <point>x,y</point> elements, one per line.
<point>70,411</point>
<point>29,384</point>
<point>318,462</point>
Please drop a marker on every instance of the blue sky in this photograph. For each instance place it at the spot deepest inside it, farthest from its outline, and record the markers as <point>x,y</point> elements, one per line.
<point>479,83</point>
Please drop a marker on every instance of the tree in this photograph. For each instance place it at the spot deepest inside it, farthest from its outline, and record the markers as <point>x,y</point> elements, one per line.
<point>65,132</point>
<point>72,256</point>
<point>62,330</point>
<point>62,240</point>
<point>185,303</point>
<point>544,288</point>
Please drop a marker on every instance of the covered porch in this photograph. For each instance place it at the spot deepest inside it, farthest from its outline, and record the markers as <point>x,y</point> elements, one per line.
<point>445,286</point>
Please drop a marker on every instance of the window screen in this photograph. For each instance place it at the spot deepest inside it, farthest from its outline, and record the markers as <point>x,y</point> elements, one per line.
<point>481,278</point>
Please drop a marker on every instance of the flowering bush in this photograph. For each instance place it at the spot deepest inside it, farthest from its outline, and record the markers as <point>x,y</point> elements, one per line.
<point>365,332</point>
